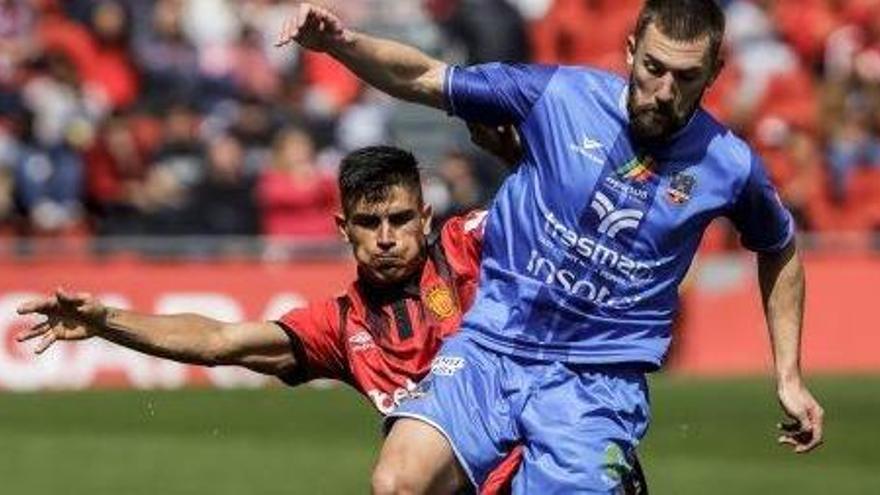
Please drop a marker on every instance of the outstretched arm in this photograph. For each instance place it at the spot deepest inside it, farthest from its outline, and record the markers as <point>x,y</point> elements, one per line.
<point>187,338</point>
<point>397,69</point>
<point>781,277</point>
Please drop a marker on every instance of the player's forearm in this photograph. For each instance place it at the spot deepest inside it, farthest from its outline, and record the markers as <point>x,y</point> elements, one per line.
<point>397,69</point>
<point>782,288</point>
<point>187,338</point>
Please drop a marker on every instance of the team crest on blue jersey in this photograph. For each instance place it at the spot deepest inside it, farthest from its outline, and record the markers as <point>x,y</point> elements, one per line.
<point>680,188</point>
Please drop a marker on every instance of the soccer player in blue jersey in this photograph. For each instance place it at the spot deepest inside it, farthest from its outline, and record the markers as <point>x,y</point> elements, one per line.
<point>584,249</point>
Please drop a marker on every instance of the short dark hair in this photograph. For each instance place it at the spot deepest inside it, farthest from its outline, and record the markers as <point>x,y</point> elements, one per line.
<point>369,173</point>
<point>684,20</point>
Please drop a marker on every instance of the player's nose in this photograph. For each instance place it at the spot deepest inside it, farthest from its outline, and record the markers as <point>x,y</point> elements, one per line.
<point>666,91</point>
<point>385,237</point>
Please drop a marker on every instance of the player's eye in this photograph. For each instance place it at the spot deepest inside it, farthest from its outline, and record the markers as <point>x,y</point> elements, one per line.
<point>366,221</point>
<point>653,68</point>
<point>402,218</point>
<point>688,76</point>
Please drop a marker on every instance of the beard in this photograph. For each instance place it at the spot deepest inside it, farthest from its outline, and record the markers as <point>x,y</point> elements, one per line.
<point>657,122</point>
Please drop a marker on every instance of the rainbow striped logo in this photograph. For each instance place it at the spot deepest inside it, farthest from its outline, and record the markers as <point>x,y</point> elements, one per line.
<point>638,169</point>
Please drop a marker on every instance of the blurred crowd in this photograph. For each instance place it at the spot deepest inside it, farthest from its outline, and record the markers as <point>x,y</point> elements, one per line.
<point>180,117</point>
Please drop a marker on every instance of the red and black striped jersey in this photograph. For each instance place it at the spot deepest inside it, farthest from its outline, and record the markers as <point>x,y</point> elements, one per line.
<point>382,341</point>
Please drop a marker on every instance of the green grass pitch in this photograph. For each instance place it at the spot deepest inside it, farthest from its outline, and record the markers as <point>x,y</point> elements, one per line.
<point>708,436</point>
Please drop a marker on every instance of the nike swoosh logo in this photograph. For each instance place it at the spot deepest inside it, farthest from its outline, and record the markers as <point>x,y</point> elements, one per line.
<point>591,144</point>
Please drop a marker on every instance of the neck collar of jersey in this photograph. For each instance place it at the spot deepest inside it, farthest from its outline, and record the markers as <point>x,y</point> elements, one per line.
<point>377,294</point>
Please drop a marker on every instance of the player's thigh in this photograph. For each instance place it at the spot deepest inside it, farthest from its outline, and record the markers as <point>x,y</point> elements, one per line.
<point>467,399</point>
<point>581,431</point>
<point>417,458</point>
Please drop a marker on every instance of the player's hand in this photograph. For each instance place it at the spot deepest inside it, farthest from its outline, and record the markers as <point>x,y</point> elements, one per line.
<point>314,28</point>
<point>502,141</point>
<point>804,430</point>
<point>68,317</point>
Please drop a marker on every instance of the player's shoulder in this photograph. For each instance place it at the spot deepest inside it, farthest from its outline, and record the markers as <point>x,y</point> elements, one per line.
<point>460,240</point>
<point>328,309</point>
<point>593,76</point>
<point>591,82</point>
<point>726,147</point>
<point>470,224</point>
<point>525,73</point>
<point>316,318</point>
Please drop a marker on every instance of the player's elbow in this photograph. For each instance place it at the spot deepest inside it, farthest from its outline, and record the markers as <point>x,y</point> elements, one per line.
<point>427,88</point>
<point>219,348</point>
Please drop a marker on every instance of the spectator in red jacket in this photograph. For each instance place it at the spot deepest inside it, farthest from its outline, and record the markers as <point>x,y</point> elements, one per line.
<point>295,196</point>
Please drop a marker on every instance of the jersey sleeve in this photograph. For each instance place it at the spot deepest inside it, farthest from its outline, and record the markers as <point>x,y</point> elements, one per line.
<point>495,93</point>
<point>462,242</point>
<point>316,343</point>
<point>764,224</point>
<point>462,238</point>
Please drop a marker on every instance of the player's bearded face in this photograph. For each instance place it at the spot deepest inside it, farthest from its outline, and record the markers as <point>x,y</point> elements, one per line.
<point>667,81</point>
<point>388,236</point>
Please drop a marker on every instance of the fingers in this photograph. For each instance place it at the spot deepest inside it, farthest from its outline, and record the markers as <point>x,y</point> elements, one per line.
<point>309,22</point>
<point>789,426</point>
<point>61,302</point>
<point>35,331</point>
<point>287,29</point>
<point>36,306</point>
<point>803,435</point>
<point>46,342</point>
<point>816,417</point>
<point>66,313</point>
<point>809,434</point>
<point>284,36</point>
<point>70,299</point>
<point>43,330</point>
<point>295,25</point>
<point>799,440</point>
<point>331,22</point>
<point>305,11</point>
<point>45,304</point>
<point>786,440</point>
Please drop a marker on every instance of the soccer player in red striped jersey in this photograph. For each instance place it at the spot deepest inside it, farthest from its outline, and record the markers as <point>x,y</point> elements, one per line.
<point>379,337</point>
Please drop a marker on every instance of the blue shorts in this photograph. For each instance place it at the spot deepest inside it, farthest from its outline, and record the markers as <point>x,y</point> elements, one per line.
<point>579,424</point>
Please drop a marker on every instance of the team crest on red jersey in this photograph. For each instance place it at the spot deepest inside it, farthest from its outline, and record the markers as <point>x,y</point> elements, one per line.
<point>440,301</point>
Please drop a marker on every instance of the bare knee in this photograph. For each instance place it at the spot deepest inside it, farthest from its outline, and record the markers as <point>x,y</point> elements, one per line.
<point>416,459</point>
<point>391,479</point>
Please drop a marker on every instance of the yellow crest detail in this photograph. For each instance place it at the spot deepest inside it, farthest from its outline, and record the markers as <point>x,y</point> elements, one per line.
<point>440,301</point>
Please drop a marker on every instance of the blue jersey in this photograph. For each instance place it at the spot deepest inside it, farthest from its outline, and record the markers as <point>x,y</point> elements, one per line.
<point>587,242</point>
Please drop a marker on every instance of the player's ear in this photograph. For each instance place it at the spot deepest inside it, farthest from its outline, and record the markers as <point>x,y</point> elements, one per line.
<point>630,50</point>
<point>716,69</point>
<point>341,226</point>
<point>427,214</point>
